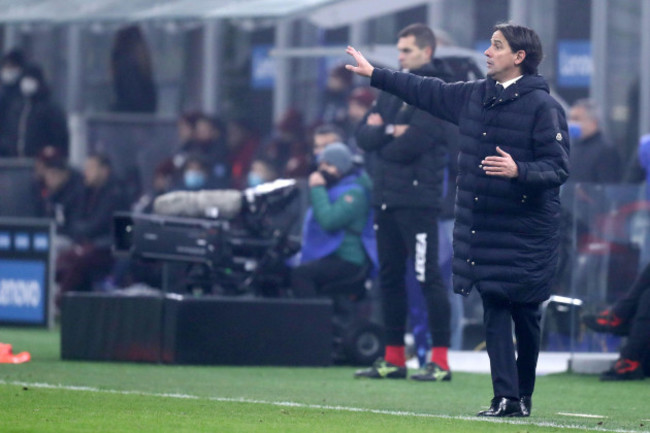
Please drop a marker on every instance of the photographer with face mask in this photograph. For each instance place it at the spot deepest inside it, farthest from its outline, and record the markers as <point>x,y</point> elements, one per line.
<point>337,228</point>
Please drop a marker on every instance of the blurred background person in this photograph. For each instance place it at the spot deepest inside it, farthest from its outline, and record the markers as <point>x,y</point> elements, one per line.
<point>61,191</point>
<point>205,136</point>
<point>40,122</point>
<point>335,101</point>
<point>11,70</point>
<point>287,147</point>
<point>262,170</point>
<point>593,158</point>
<point>243,144</point>
<point>360,102</point>
<point>406,148</point>
<point>134,89</point>
<point>90,258</point>
<point>324,135</point>
<point>163,178</point>
<point>629,317</point>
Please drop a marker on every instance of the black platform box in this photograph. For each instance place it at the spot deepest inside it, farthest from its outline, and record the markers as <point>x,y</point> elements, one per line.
<point>256,331</point>
<point>196,330</point>
<point>109,327</point>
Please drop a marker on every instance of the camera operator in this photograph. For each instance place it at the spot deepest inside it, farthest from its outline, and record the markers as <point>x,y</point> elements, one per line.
<point>334,227</point>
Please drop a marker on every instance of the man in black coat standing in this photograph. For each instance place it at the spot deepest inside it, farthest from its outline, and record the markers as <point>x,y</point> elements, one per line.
<point>405,149</point>
<point>514,156</point>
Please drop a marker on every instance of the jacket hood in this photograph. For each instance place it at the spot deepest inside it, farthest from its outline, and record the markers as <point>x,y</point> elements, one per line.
<point>522,86</point>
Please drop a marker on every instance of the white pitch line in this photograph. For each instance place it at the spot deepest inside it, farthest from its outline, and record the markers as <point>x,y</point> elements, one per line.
<point>313,406</point>
<point>581,415</point>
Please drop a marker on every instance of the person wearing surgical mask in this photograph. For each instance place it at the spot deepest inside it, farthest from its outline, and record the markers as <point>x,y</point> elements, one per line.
<point>41,122</point>
<point>195,175</point>
<point>262,171</point>
<point>11,70</point>
<point>593,157</point>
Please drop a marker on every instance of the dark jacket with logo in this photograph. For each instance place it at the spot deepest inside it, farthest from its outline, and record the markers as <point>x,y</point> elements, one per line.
<point>506,230</point>
<point>406,171</point>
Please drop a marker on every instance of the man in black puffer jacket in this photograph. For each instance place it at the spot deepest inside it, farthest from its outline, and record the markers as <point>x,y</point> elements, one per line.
<point>406,154</point>
<point>514,156</point>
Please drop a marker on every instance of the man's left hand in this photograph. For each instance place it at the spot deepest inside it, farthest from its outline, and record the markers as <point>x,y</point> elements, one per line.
<point>502,165</point>
<point>316,179</point>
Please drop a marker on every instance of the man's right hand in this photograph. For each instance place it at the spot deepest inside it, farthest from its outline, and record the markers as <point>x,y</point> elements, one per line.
<point>316,179</point>
<point>363,68</point>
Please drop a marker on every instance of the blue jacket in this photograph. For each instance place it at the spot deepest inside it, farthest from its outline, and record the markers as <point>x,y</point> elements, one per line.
<point>506,230</point>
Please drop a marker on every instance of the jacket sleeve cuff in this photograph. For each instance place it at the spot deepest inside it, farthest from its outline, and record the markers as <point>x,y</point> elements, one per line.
<point>522,172</point>
<point>377,77</point>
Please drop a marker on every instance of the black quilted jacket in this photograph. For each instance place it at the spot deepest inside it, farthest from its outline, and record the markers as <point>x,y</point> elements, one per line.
<point>506,230</point>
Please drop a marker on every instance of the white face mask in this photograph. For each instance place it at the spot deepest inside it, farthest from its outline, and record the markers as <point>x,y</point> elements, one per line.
<point>28,86</point>
<point>9,75</point>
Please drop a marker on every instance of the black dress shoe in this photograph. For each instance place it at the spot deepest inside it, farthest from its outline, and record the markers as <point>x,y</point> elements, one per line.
<point>502,407</point>
<point>526,403</point>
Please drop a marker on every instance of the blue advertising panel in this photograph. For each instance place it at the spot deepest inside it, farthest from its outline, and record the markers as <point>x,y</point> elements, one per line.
<point>25,271</point>
<point>575,63</point>
<point>22,291</point>
<point>263,67</point>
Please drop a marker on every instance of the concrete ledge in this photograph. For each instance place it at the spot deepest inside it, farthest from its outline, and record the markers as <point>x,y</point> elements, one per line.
<point>592,363</point>
<point>549,362</point>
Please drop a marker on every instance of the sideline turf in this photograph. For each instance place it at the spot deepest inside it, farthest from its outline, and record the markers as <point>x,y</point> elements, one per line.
<point>58,410</point>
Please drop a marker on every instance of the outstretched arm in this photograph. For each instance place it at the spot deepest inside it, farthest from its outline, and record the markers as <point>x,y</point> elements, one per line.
<point>426,93</point>
<point>363,68</point>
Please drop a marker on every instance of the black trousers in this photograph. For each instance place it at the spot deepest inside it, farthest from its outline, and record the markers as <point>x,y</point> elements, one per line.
<point>512,377</point>
<point>403,233</point>
<point>634,308</point>
<point>309,280</point>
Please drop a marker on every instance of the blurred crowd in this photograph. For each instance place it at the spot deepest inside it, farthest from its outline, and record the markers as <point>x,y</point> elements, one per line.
<point>212,152</point>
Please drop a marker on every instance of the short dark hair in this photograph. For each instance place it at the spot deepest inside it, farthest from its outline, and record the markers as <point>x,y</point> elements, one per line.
<point>524,39</point>
<point>424,36</point>
<point>329,128</point>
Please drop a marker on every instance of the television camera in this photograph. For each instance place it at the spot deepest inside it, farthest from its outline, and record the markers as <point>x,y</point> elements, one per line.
<point>233,242</point>
<point>236,243</point>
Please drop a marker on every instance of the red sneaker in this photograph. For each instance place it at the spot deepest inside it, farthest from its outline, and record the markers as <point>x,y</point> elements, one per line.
<point>606,321</point>
<point>624,369</point>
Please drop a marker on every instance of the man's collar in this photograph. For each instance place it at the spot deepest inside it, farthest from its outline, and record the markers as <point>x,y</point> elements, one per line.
<point>509,82</point>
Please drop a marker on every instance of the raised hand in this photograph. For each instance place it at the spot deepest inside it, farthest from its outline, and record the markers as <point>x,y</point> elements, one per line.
<point>363,68</point>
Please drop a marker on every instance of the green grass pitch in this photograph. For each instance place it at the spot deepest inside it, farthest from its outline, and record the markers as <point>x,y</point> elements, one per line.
<point>51,395</point>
